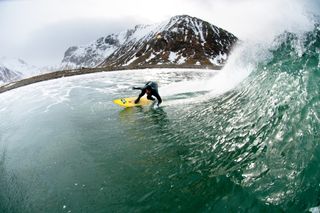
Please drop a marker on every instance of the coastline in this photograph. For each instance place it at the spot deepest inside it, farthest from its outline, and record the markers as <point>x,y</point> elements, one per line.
<point>83,71</point>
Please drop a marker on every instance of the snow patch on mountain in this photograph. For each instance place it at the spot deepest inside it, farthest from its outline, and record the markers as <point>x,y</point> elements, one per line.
<point>172,57</point>
<point>219,58</point>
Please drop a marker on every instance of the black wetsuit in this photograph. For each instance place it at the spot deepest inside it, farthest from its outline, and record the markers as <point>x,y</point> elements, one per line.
<point>153,86</point>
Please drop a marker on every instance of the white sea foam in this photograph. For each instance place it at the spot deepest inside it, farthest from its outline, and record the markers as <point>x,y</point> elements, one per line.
<point>315,209</point>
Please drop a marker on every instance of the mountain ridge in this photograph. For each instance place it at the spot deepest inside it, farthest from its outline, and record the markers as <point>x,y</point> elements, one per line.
<point>180,40</point>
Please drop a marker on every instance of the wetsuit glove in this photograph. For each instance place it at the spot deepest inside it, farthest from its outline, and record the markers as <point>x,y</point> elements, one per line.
<point>136,101</point>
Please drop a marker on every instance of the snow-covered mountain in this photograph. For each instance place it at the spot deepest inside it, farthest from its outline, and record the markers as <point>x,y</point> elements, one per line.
<point>182,40</point>
<point>7,75</point>
<point>91,55</point>
<point>14,69</point>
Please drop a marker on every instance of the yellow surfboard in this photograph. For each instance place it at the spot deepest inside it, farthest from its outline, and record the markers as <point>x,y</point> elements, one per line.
<point>129,102</point>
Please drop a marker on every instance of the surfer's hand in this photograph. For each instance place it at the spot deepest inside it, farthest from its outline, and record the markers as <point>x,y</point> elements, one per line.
<point>133,88</point>
<point>136,101</point>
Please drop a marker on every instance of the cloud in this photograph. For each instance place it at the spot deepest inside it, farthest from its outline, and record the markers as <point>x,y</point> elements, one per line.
<point>39,31</point>
<point>256,19</point>
<point>46,45</point>
<point>52,40</point>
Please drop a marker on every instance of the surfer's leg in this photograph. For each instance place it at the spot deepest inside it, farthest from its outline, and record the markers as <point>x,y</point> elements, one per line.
<point>149,97</point>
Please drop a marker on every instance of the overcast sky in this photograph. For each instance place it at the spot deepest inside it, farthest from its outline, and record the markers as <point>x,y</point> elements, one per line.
<point>39,31</point>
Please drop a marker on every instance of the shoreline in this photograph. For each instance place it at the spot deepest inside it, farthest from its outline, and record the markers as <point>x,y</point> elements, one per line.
<point>83,71</point>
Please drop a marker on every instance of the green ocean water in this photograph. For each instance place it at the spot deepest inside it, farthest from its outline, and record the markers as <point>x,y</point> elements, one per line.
<point>242,140</point>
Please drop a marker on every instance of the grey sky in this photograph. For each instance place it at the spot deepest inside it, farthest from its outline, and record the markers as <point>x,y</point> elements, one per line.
<point>39,31</point>
<point>48,43</point>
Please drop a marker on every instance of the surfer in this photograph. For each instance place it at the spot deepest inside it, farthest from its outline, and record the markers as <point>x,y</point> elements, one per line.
<point>151,88</point>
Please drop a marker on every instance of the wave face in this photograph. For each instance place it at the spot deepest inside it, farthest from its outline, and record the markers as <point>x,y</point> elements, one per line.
<point>264,134</point>
<point>245,139</point>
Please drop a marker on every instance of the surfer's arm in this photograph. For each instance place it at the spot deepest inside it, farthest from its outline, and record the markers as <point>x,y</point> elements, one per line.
<point>148,84</point>
<point>137,88</point>
<point>141,94</point>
